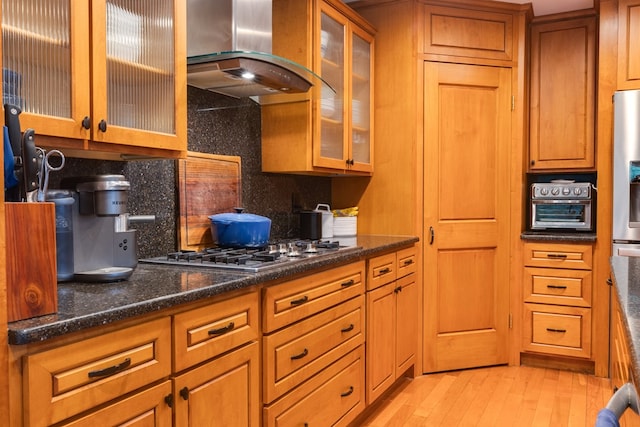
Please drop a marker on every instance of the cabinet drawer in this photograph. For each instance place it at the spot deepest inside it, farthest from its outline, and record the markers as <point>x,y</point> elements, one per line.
<point>295,300</point>
<point>407,260</point>
<point>558,330</point>
<point>332,398</point>
<point>206,332</point>
<point>294,354</point>
<point>557,286</point>
<point>454,31</point>
<point>70,379</point>
<point>381,270</point>
<point>147,408</point>
<point>558,256</point>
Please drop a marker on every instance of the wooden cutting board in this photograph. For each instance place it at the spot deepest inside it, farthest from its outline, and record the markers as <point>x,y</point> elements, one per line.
<point>32,284</point>
<point>208,184</point>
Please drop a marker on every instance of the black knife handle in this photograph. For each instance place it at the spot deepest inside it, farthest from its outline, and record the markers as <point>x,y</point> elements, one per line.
<point>30,160</point>
<point>12,122</point>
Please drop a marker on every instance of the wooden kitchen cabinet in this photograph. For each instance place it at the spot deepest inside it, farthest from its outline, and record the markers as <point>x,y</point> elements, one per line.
<point>313,336</point>
<point>148,408</point>
<point>453,31</point>
<point>628,44</point>
<point>224,391</point>
<point>65,381</point>
<point>392,320</point>
<point>562,102</point>
<point>104,78</point>
<point>332,398</point>
<point>206,332</point>
<point>327,133</point>
<point>557,282</point>
<point>179,366</point>
<point>620,369</point>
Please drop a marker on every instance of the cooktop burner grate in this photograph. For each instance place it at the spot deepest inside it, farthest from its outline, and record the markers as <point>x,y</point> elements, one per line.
<point>252,259</point>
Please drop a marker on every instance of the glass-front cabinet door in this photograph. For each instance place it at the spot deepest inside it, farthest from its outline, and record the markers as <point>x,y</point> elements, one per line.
<point>100,70</point>
<point>361,102</point>
<point>135,73</point>
<point>45,64</point>
<point>343,139</point>
<point>330,148</point>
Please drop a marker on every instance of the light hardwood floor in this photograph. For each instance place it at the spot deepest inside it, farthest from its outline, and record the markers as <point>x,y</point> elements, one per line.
<point>497,396</point>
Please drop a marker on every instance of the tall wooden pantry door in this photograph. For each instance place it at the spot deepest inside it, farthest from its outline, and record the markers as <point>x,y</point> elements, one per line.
<point>467,130</point>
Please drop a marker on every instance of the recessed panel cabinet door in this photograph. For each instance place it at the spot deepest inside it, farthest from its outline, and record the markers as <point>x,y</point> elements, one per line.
<point>223,392</point>
<point>562,111</point>
<point>467,135</point>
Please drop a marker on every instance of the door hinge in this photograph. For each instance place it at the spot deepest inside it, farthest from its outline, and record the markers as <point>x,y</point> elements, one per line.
<point>513,103</point>
<point>510,321</point>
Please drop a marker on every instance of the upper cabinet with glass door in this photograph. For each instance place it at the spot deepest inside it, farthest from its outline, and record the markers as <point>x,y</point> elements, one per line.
<point>104,78</point>
<point>330,132</point>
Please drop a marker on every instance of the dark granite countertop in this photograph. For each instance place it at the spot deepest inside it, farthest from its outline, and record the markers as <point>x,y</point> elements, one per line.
<point>156,287</point>
<point>626,279</point>
<point>552,236</point>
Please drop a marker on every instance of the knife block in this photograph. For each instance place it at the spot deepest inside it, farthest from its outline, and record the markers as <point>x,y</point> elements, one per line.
<point>32,287</point>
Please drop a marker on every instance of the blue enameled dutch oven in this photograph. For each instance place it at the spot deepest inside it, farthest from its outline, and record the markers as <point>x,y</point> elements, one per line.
<point>240,230</point>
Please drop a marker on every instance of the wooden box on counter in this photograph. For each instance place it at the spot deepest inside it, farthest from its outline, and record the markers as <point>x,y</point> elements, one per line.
<point>32,288</point>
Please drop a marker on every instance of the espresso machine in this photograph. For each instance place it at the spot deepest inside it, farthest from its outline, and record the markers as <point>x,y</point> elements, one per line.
<point>104,247</point>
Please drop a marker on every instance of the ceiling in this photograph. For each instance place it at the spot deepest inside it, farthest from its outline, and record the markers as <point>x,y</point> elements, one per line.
<point>547,7</point>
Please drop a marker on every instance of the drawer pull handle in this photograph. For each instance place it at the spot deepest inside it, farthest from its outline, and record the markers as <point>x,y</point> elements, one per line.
<point>348,283</point>
<point>398,289</point>
<point>556,287</point>
<point>408,262</point>
<point>347,393</point>
<point>556,330</point>
<point>557,256</point>
<point>222,330</point>
<point>384,271</point>
<point>348,328</point>
<point>184,393</point>
<point>111,369</point>
<point>300,300</point>
<point>301,355</point>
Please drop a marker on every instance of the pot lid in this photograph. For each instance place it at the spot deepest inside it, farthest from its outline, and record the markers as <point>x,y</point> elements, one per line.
<point>239,216</point>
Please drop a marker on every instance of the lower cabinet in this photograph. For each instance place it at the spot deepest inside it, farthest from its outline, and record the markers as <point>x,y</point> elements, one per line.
<point>224,391</point>
<point>286,354</point>
<point>313,349</point>
<point>557,299</point>
<point>620,368</point>
<point>68,380</point>
<point>147,408</point>
<point>180,366</point>
<point>392,321</point>
<point>332,398</point>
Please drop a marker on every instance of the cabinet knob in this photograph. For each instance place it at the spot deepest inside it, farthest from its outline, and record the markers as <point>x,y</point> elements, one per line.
<point>102,125</point>
<point>86,122</point>
<point>168,399</point>
<point>184,393</point>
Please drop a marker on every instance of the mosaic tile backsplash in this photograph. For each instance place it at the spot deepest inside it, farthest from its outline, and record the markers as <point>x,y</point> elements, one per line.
<point>218,125</point>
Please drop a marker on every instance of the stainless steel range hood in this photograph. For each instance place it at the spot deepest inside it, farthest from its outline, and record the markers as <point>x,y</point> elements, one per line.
<point>229,52</point>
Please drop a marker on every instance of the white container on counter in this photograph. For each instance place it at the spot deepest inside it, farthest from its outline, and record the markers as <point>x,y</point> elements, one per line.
<point>327,220</point>
<point>345,226</point>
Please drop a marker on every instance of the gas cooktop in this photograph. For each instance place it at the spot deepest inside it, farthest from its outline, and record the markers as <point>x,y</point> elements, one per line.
<point>273,255</point>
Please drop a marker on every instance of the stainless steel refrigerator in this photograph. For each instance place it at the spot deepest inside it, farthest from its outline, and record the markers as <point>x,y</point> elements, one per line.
<point>626,173</point>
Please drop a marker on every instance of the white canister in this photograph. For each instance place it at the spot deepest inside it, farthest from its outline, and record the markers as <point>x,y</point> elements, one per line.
<point>327,220</point>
